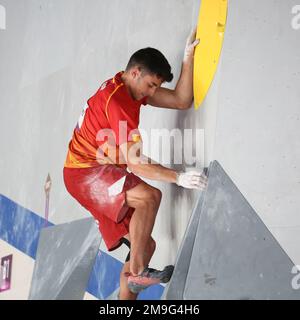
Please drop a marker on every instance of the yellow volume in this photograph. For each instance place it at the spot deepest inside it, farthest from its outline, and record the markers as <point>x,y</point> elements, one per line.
<point>210,31</point>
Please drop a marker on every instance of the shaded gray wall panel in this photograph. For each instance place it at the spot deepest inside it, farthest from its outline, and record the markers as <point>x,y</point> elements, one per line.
<point>175,288</point>
<point>65,257</point>
<point>234,255</point>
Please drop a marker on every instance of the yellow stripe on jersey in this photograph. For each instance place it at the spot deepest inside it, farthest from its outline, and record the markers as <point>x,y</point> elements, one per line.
<point>107,103</point>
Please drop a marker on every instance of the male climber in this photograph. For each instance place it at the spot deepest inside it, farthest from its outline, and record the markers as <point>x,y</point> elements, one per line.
<point>102,172</point>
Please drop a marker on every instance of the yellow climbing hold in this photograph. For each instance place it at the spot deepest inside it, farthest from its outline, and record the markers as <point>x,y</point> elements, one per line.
<point>210,31</point>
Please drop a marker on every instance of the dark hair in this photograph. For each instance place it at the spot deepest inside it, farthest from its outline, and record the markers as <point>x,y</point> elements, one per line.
<point>152,61</point>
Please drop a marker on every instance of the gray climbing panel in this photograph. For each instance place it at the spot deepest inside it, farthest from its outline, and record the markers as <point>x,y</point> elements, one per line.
<point>65,257</point>
<point>233,255</point>
<point>175,288</point>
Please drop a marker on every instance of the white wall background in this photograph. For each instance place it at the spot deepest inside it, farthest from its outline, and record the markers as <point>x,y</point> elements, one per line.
<point>258,124</point>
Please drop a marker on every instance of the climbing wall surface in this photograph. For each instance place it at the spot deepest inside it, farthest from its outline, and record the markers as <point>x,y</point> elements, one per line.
<point>256,140</point>
<point>54,55</point>
<point>175,288</point>
<point>228,252</point>
<point>65,258</point>
<point>257,131</point>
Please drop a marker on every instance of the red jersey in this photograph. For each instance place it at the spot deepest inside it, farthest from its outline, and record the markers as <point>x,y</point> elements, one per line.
<point>105,111</point>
